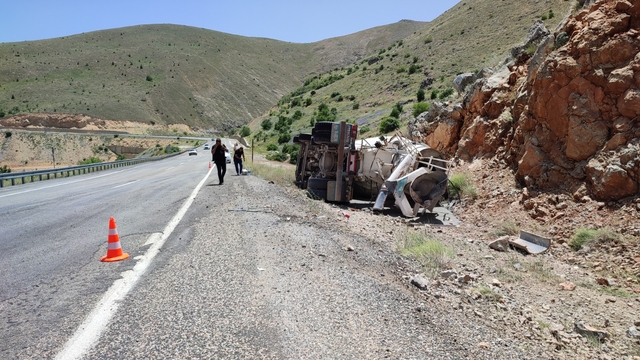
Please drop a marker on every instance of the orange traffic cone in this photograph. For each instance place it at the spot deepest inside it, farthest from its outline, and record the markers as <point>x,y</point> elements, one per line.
<point>114,250</point>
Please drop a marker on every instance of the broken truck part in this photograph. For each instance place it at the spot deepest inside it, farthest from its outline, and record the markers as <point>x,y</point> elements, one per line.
<point>335,166</point>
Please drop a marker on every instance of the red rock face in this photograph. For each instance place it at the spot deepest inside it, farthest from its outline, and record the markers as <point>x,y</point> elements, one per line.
<point>574,117</point>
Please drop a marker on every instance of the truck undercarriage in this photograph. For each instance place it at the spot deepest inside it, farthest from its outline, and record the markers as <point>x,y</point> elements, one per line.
<point>335,166</point>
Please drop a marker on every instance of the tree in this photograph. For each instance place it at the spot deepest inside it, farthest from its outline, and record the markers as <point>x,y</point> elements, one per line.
<point>245,131</point>
<point>266,125</point>
<point>389,124</point>
<point>420,95</point>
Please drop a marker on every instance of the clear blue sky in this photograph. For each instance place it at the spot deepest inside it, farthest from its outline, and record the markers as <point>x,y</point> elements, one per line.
<point>299,21</point>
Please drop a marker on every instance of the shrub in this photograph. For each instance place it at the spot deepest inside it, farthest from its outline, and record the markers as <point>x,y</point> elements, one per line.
<point>277,156</point>
<point>266,125</point>
<point>272,147</point>
<point>445,94</point>
<point>297,115</point>
<point>4,169</point>
<point>431,253</point>
<point>420,95</point>
<point>284,138</point>
<point>245,131</point>
<point>434,94</point>
<point>584,237</point>
<point>171,149</point>
<point>401,69</point>
<point>334,94</point>
<point>413,69</point>
<point>415,59</point>
<point>7,134</point>
<point>293,151</point>
<point>462,184</point>
<point>149,78</point>
<point>355,106</point>
<point>419,108</point>
<point>396,111</point>
<point>428,40</point>
<point>2,114</point>
<point>91,160</point>
<point>365,129</point>
<point>389,124</point>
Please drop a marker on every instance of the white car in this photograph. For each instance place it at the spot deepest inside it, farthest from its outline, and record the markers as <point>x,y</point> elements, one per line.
<point>206,146</point>
<point>193,152</point>
<point>227,157</point>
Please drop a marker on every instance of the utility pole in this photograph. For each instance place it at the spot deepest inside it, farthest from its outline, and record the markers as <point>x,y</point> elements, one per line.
<point>53,154</point>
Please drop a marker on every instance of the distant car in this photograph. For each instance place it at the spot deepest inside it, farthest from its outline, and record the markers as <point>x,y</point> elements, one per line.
<point>206,146</point>
<point>227,157</point>
<point>193,152</point>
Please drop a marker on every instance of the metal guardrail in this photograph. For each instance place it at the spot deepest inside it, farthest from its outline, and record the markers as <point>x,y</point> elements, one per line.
<point>39,175</point>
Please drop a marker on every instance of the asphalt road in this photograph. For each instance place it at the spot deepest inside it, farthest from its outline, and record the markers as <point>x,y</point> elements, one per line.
<point>54,232</point>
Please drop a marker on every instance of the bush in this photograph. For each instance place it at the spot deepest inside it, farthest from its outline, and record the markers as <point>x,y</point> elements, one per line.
<point>462,184</point>
<point>245,131</point>
<point>365,129</point>
<point>428,40</point>
<point>401,69</point>
<point>7,134</point>
<point>355,106</point>
<point>277,156</point>
<point>91,160</point>
<point>334,94</point>
<point>434,94</point>
<point>389,124</point>
<point>272,147</point>
<point>420,107</point>
<point>297,115</point>
<point>4,169</point>
<point>584,237</point>
<point>171,149</point>
<point>284,138</point>
<point>308,101</point>
<point>413,69</point>
<point>445,94</point>
<point>431,253</point>
<point>420,95</point>
<point>266,125</point>
<point>293,151</point>
<point>149,78</point>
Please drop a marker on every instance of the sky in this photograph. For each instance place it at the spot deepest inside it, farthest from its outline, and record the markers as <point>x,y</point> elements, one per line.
<point>300,21</point>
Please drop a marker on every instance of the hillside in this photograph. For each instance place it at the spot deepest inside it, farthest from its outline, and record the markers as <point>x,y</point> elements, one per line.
<point>167,74</point>
<point>472,35</point>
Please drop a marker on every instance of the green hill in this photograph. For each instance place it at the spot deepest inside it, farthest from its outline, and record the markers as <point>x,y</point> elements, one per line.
<point>472,35</point>
<point>170,74</point>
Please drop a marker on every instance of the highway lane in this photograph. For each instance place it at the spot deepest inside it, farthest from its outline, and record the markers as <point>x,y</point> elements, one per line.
<point>53,233</point>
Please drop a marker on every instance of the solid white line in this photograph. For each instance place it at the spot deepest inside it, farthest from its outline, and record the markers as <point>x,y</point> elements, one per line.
<point>125,184</point>
<point>88,333</point>
<point>62,184</point>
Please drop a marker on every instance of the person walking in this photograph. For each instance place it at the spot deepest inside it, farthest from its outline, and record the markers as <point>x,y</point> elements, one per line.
<point>238,157</point>
<point>218,152</point>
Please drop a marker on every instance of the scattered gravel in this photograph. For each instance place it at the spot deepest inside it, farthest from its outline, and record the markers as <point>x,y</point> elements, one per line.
<point>274,278</point>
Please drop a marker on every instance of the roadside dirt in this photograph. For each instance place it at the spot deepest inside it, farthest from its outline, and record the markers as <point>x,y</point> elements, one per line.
<point>536,300</point>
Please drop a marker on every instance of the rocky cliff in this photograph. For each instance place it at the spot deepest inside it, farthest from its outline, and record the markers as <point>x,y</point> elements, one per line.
<point>563,112</point>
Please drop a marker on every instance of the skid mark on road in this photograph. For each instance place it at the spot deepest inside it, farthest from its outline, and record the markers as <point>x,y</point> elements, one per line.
<point>88,333</point>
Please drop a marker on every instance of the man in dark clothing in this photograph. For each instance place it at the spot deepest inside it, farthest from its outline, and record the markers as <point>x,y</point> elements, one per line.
<point>218,152</point>
<point>238,156</point>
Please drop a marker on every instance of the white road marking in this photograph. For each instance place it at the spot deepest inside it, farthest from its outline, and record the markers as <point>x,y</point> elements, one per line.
<point>88,333</point>
<point>125,184</point>
<point>62,184</point>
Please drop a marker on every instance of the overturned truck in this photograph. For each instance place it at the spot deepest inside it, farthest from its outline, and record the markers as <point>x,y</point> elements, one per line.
<point>335,166</point>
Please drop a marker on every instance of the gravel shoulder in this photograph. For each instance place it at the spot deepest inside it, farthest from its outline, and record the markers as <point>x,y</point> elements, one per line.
<point>283,276</point>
